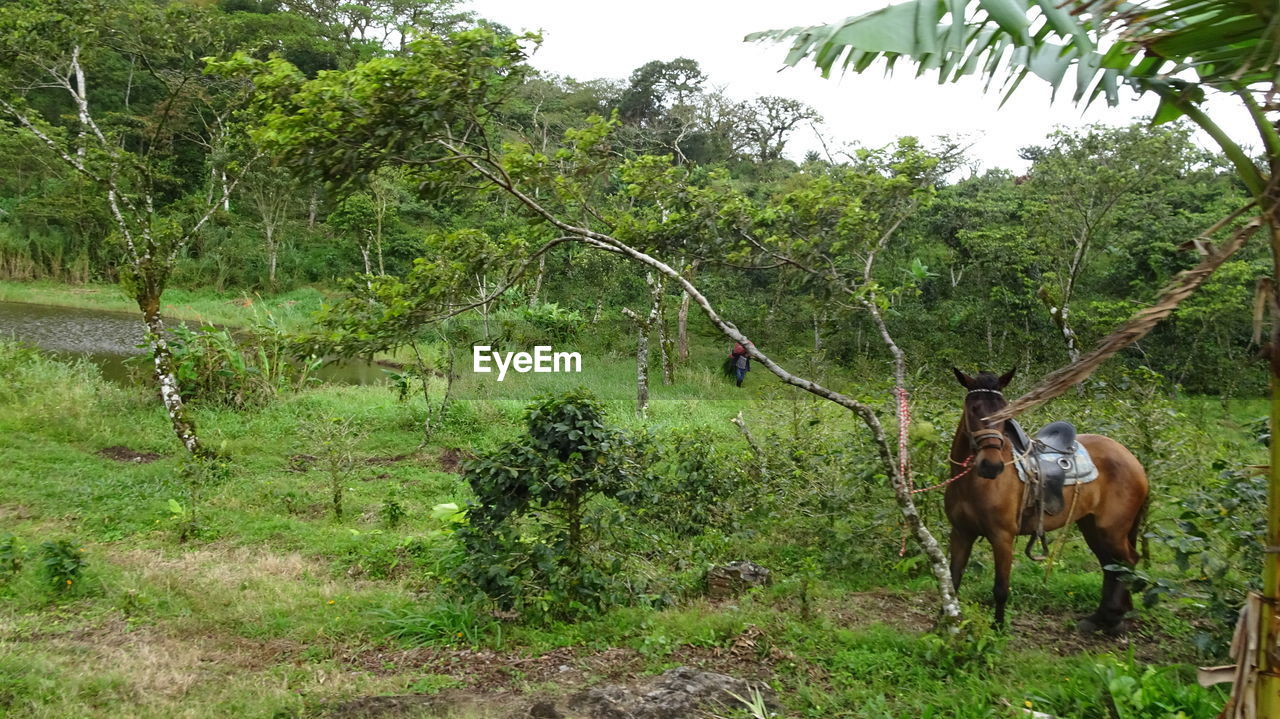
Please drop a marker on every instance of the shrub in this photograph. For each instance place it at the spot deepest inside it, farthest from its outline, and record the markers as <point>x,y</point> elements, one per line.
<point>531,537</point>
<point>61,562</point>
<point>12,556</point>
<point>242,370</point>
<point>1217,531</point>
<point>335,440</point>
<point>692,485</point>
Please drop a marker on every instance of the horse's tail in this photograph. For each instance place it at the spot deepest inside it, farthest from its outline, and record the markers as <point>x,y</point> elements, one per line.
<point>1136,531</point>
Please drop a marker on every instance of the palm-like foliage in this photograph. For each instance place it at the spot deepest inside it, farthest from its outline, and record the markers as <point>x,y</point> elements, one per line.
<point>1176,49</point>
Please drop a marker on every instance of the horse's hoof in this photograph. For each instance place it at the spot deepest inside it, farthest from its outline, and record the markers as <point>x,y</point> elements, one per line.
<point>1092,625</point>
<point>1088,625</point>
<point>1119,629</point>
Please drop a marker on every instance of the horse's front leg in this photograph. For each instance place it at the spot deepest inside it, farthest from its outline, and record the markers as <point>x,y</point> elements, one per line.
<point>961,547</point>
<point>1002,548</point>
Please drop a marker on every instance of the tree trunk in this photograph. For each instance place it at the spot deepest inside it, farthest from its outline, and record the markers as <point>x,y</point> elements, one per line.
<point>272,255</point>
<point>313,207</point>
<point>665,350</point>
<point>682,329</point>
<point>377,237</point>
<point>682,319</point>
<point>644,325</point>
<point>82,106</point>
<point>1060,316</point>
<point>537,282</point>
<point>1268,682</point>
<point>364,254</point>
<point>642,368</point>
<point>183,426</point>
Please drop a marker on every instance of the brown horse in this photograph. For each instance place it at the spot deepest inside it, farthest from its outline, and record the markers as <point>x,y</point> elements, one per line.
<point>987,500</point>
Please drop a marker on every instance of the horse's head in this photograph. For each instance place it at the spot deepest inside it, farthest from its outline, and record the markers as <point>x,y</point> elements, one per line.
<point>987,440</point>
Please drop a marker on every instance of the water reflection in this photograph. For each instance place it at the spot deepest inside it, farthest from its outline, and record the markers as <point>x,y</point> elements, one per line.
<point>114,341</point>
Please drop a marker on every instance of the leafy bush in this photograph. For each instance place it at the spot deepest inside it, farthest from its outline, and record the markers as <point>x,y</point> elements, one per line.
<point>242,370</point>
<point>61,562</point>
<point>392,511</point>
<point>692,484</point>
<point>335,440</point>
<point>381,555</point>
<point>531,537</point>
<point>1153,693</point>
<point>1218,531</point>
<point>12,556</point>
<point>545,323</point>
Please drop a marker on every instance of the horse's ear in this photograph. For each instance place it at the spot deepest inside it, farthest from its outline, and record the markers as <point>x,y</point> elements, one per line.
<point>964,379</point>
<point>1007,377</point>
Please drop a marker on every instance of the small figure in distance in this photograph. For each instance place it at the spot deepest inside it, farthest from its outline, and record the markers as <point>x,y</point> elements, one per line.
<point>741,362</point>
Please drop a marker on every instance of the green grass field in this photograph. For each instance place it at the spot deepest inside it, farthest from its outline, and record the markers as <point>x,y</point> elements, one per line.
<point>276,609</point>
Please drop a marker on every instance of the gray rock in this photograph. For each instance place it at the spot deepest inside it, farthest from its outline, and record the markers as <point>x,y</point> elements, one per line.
<point>735,578</point>
<point>679,693</point>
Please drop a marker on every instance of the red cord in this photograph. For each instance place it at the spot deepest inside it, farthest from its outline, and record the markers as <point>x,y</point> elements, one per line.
<point>964,469</point>
<point>904,466</point>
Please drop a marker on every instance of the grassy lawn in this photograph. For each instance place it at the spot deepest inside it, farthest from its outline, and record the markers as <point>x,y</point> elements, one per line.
<point>277,609</point>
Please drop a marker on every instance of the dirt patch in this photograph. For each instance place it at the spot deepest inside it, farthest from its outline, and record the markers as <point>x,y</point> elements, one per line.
<point>120,453</point>
<point>1058,631</point>
<point>477,668</point>
<point>680,692</point>
<point>160,668</point>
<point>15,513</point>
<point>250,574</point>
<point>449,703</point>
<point>913,611</point>
<point>385,461</point>
<point>302,462</point>
<point>749,655</point>
<point>450,460</point>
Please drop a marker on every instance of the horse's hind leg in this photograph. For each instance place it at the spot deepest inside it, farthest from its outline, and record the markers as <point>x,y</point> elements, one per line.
<point>961,547</point>
<point>1112,546</point>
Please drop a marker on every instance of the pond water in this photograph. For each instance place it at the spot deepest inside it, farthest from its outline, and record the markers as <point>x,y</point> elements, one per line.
<point>113,341</point>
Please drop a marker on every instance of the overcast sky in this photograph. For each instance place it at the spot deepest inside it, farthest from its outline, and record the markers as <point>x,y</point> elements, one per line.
<point>586,40</point>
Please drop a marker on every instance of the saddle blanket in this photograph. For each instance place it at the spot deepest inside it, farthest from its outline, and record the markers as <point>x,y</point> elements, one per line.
<point>1076,468</point>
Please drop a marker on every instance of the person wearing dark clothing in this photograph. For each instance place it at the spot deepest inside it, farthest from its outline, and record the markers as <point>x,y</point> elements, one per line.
<point>741,362</point>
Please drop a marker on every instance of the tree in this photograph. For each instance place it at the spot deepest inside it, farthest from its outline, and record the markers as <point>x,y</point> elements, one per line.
<point>770,119</point>
<point>1178,50</point>
<point>270,192</point>
<point>429,111</point>
<point>657,86</point>
<point>1079,190</point>
<point>130,152</point>
<point>644,327</point>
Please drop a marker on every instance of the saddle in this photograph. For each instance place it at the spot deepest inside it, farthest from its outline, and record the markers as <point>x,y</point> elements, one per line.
<point>1046,464</point>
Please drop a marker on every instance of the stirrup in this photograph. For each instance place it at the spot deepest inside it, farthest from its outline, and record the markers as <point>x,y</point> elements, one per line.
<point>1044,547</point>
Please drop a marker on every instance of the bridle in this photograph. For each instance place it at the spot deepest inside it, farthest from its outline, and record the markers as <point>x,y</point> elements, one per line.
<point>977,438</point>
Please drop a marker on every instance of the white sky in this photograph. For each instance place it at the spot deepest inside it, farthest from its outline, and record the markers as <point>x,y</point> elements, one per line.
<point>592,39</point>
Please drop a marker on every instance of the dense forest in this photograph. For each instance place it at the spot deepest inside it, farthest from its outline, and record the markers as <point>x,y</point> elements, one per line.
<point>1045,262</point>
<point>278,186</point>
